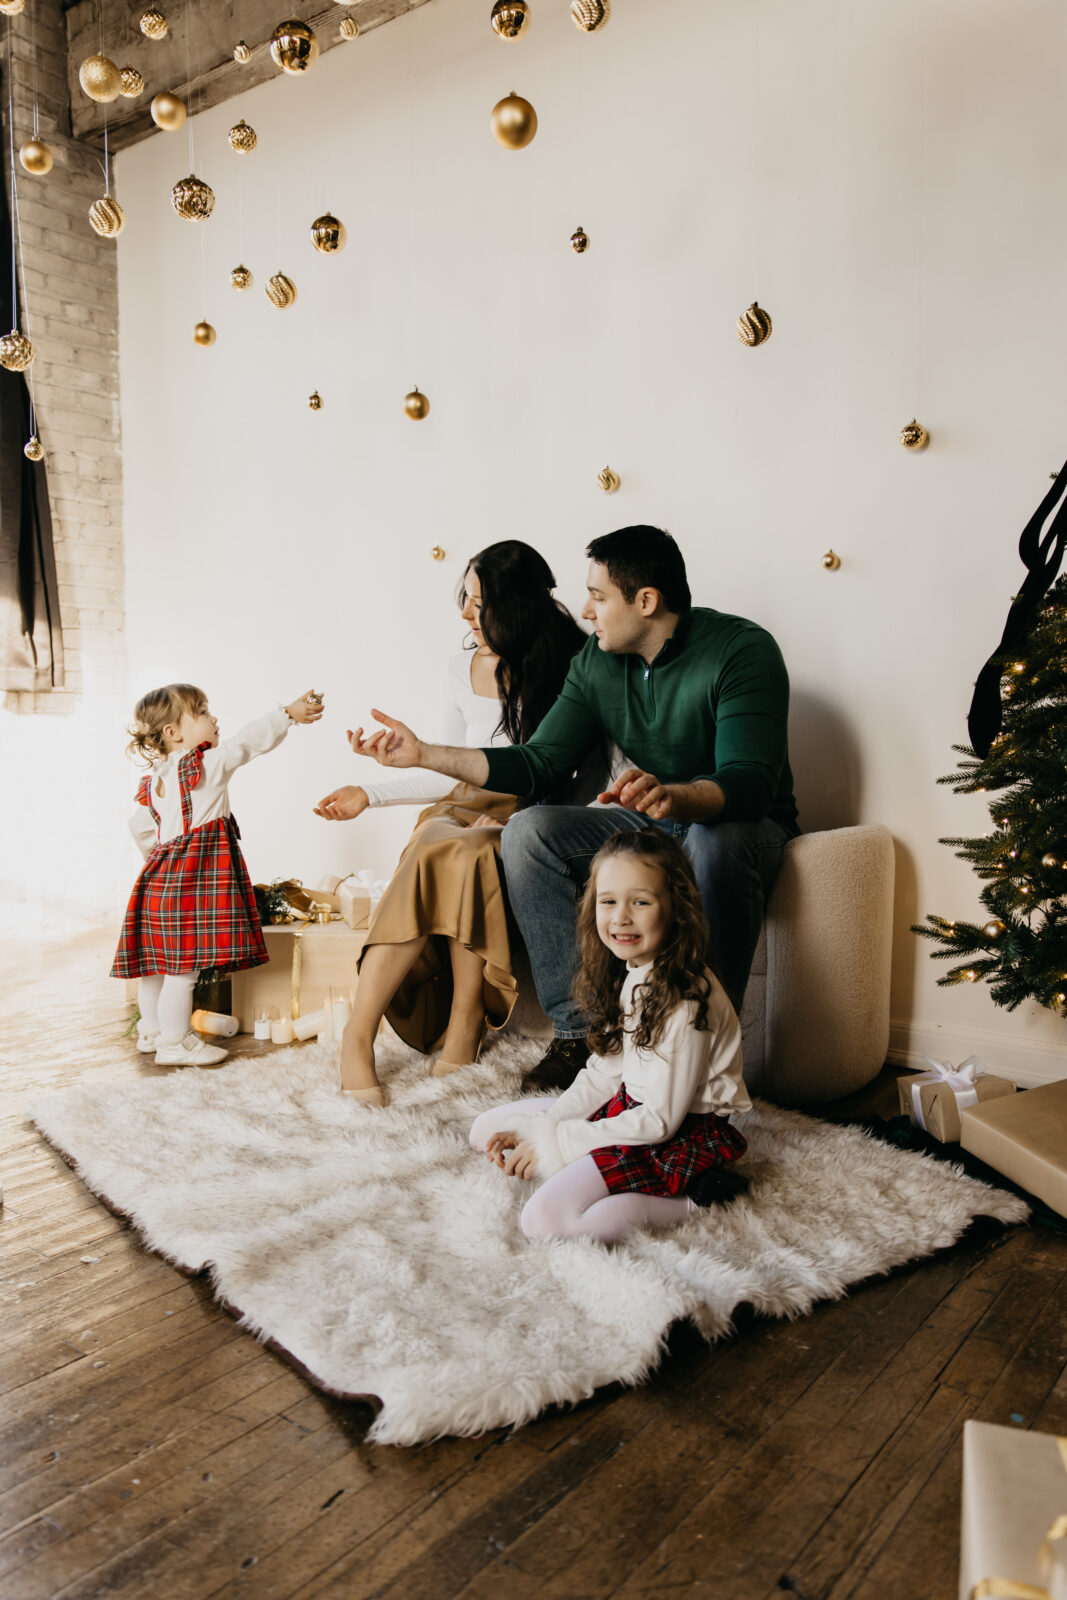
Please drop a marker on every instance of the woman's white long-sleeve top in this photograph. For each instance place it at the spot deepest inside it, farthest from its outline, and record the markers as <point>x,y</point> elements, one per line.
<point>467,719</point>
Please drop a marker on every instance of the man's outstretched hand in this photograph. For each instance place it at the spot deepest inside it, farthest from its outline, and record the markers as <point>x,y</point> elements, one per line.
<point>393,745</point>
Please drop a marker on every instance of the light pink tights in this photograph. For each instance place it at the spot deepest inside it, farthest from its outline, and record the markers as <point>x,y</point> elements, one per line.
<point>577,1203</point>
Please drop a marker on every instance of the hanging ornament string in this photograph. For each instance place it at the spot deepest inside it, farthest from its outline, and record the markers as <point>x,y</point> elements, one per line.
<point>413,317</point>
<point>36,99</point>
<point>18,260</point>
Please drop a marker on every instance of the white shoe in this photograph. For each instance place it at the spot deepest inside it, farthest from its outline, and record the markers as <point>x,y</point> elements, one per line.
<point>190,1052</point>
<point>146,1043</point>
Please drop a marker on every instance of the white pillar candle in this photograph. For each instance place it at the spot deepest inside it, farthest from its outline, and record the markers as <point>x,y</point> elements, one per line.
<point>261,1028</point>
<point>341,1011</point>
<point>281,1032</point>
<point>216,1023</point>
<point>313,1023</point>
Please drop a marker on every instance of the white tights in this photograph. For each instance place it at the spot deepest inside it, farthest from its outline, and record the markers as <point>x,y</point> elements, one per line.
<point>577,1203</point>
<point>165,1001</point>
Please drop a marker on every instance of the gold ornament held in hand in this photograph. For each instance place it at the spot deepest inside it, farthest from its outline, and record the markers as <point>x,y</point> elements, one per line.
<point>242,138</point>
<point>106,217</point>
<point>328,234</point>
<point>349,28</point>
<point>315,404</point>
<point>193,199</point>
<point>579,241</point>
<point>280,291</point>
<point>168,111</point>
<point>510,18</point>
<point>590,15</point>
<point>914,436</point>
<point>240,278</point>
<point>514,122</point>
<point>154,25</point>
<point>416,405</point>
<point>36,157</point>
<point>132,82</point>
<point>313,698</point>
<point>16,351</point>
<point>241,52</point>
<point>754,326</point>
<point>609,481</point>
<point>204,333</point>
<point>100,78</point>
<point>831,560</point>
<point>293,46</point>
<point>33,449</point>
<point>995,929</point>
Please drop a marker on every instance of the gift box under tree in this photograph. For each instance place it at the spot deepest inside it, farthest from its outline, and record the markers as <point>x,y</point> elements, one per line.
<point>306,960</point>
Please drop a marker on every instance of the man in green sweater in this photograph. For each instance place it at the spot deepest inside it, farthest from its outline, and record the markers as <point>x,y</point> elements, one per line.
<point>698,702</point>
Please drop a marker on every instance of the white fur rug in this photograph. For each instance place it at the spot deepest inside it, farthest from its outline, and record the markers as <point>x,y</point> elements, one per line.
<point>384,1255</point>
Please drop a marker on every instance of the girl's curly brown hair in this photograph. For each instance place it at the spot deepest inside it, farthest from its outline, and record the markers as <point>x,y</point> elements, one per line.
<point>678,971</point>
<point>154,711</point>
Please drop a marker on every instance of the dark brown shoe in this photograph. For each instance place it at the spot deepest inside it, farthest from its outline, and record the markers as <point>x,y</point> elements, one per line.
<point>558,1067</point>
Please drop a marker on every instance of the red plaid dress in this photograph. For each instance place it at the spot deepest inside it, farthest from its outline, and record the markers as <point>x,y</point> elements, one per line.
<point>703,1141</point>
<point>193,904</point>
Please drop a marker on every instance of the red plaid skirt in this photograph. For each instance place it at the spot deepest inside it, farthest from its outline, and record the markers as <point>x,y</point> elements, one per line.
<point>703,1141</point>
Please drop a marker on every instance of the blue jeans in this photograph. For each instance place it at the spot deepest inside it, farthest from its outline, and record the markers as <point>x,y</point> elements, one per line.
<point>547,851</point>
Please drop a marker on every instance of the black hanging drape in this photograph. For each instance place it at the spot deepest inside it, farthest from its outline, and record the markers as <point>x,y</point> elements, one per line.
<point>31,638</point>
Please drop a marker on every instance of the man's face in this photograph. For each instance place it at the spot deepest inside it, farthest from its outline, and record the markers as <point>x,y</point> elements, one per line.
<point>619,624</point>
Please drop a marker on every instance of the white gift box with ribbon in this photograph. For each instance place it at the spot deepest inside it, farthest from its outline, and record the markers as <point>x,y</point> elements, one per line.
<point>1013,1543</point>
<point>934,1100</point>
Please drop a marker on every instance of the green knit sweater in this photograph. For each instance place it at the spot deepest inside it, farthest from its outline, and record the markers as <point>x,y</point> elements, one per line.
<point>713,704</point>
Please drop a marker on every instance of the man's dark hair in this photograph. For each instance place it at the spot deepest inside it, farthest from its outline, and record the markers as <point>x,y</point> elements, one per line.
<point>643,557</point>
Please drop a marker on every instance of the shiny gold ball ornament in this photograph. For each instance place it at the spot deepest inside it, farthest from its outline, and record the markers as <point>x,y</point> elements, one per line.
<point>241,52</point>
<point>242,138</point>
<point>16,351</point>
<point>831,560</point>
<point>609,481</point>
<point>1050,860</point>
<point>36,157</point>
<point>168,111</point>
<point>514,122</point>
<point>579,241</point>
<point>590,15</point>
<point>416,405</point>
<point>33,449</point>
<point>914,436</point>
<point>193,199</point>
<point>437,552</point>
<point>204,334</point>
<point>100,78</point>
<point>153,25</point>
<point>240,278</point>
<point>280,291</point>
<point>995,929</point>
<point>349,28</point>
<point>106,217</point>
<point>510,18</point>
<point>328,234</point>
<point>132,82</point>
<point>293,46</point>
<point>754,326</point>
<point>315,401</point>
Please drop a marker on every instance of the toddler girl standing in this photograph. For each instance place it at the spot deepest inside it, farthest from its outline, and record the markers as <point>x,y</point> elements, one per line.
<point>193,904</point>
<point>641,1137</point>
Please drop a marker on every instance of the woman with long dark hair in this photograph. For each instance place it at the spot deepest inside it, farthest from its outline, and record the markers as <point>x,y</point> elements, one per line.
<point>437,961</point>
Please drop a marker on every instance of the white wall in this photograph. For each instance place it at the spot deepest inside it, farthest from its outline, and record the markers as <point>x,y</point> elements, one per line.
<point>881,177</point>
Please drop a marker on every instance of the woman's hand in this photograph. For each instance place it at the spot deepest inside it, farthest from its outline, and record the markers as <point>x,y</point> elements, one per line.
<point>393,745</point>
<point>522,1160</point>
<point>487,822</point>
<point>307,709</point>
<point>341,805</point>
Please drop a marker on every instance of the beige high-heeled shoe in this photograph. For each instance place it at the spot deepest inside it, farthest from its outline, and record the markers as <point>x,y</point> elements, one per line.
<point>376,1096</point>
<point>445,1069</point>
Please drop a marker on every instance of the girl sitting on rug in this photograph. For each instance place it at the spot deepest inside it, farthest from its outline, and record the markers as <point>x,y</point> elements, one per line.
<point>193,904</point>
<point>642,1137</point>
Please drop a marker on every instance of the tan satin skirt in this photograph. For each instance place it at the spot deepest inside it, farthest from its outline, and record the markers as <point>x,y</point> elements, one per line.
<point>449,883</point>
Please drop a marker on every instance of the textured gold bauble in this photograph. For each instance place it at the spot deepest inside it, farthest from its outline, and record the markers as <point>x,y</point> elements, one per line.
<point>1050,860</point>
<point>153,25</point>
<point>609,481</point>
<point>100,78</point>
<point>241,52</point>
<point>315,401</point>
<point>168,111</point>
<point>240,278</point>
<point>437,553</point>
<point>12,8</point>
<point>16,351</point>
<point>242,138</point>
<point>416,405</point>
<point>510,18</point>
<point>36,157</point>
<point>280,291</point>
<point>514,122</point>
<point>831,560</point>
<point>293,46</point>
<point>204,333</point>
<point>579,241</point>
<point>193,199</point>
<point>328,234</point>
<point>914,436</point>
<point>995,929</point>
<point>106,217</point>
<point>590,15</point>
<point>33,449</point>
<point>754,326</point>
<point>349,28</point>
<point>132,82</point>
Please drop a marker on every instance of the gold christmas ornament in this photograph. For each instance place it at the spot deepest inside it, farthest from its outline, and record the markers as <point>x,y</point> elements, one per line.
<point>1050,860</point>
<point>280,291</point>
<point>106,217</point>
<point>914,436</point>
<point>416,405</point>
<point>510,18</point>
<point>313,698</point>
<point>315,403</point>
<point>349,28</point>
<point>579,241</point>
<point>293,46</point>
<point>590,15</point>
<point>437,553</point>
<point>132,82</point>
<point>153,25</point>
<point>995,929</point>
<point>609,481</point>
<point>33,449</point>
<point>514,122</point>
<point>240,278</point>
<point>328,234</point>
<point>204,333</point>
<point>36,157</point>
<point>16,351</point>
<point>242,138</point>
<point>193,199</point>
<point>754,326</point>
<point>831,560</point>
<point>241,52</point>
<point>168,111</point>
<point>100,78</point>
<point>11,8</point>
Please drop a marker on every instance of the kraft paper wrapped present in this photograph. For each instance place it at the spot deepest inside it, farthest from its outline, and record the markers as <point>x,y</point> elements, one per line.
<point>307,959</point>
<point>1013,1539</point>
<point>934,1100</point>
<point>1025,1138</point>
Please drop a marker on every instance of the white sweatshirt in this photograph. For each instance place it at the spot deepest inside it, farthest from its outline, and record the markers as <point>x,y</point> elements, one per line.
<point>467,719</point>
<point>688,1071</point>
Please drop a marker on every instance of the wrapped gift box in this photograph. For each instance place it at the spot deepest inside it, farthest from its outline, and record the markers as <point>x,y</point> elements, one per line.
<point>1025,1138</point>
<point>306,961</point>
<point>354,902</point>
<point>1014,1492</point>
<point>934,1100</point>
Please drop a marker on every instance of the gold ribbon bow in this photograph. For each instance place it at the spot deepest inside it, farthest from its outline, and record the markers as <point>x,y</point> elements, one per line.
<point>1009,1588</point>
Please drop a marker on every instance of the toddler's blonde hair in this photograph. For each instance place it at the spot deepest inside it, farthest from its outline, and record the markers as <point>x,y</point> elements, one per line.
<point>155,711</point>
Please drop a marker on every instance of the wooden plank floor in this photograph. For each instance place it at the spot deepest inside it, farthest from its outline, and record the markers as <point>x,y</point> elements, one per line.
<point>148,1448</point>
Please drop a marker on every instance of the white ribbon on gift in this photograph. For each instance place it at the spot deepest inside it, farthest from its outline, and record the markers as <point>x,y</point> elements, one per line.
<point>961,1080</point>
